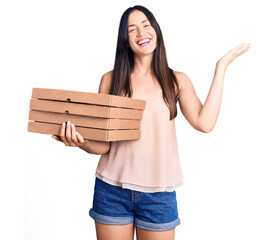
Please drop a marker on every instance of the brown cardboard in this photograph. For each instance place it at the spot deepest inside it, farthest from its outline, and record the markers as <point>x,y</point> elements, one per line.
<point>87,133</point>
<point>100,117</point>
<point>77,120</point>
<point>89,98</point>
<point>85,109</point>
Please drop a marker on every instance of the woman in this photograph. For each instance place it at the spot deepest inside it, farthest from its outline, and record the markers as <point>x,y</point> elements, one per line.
<point>136,180</point>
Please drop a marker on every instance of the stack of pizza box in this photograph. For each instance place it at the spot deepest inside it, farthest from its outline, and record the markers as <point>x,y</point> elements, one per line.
<point>96,116</point>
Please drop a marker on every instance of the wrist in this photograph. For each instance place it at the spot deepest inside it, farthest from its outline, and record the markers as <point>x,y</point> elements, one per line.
<point>85,146</point>
<point>221,66</point>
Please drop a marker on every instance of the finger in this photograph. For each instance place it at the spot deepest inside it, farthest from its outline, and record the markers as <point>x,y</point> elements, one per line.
<point>62,134</point>
<point>238,47</point>
<point>68,134</point>
<point>242,50</point>
<point>74,136</point>
<point>244,46</point>
<point>80,138</point>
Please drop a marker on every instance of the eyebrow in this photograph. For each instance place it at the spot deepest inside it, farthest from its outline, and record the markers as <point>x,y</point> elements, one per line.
<point>134,24</point>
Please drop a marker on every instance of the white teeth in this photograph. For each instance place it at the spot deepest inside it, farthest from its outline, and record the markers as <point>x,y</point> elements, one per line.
<point>143,41</point>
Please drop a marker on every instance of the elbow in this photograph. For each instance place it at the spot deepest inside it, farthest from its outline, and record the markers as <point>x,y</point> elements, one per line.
<point>106,148</point>
<point>105,152</point>
<point>99,152</point>
<point>202,126</point>
<point>208,130</point>
<point>102,149</point>
<point>205,129</point>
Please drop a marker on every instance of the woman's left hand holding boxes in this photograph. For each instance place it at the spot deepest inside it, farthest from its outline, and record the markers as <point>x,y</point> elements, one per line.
<point>99,117</point>
<point>69,136</point>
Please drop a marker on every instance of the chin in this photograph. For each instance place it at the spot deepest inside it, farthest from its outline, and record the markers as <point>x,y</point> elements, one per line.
<point>145,52</point>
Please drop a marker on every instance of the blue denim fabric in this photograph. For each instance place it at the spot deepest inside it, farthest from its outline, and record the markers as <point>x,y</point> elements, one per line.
<point>117,206</point>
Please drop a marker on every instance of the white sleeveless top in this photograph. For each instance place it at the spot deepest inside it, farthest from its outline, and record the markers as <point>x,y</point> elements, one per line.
<point>150,164</point>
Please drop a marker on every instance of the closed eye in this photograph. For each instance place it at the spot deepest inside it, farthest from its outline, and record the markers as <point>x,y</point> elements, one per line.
<point>135,29</point>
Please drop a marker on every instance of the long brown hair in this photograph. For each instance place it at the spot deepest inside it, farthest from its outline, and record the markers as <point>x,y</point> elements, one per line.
<point>124,63</point>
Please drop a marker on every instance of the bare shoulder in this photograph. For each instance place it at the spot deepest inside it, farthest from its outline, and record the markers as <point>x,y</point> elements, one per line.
<point>184,81</point>
<point>105,82</point>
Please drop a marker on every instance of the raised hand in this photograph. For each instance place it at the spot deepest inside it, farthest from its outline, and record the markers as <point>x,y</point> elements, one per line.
<point>233,53</point>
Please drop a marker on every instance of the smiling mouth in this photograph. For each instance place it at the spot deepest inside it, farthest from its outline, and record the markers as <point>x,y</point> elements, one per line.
<point>144,42</point>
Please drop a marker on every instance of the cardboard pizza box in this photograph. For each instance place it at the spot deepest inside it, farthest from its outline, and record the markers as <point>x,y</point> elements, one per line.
<point>85,109</point>
<point>88,97</point>
<point>87,133</point>
<point>101,117</point>
<point>77,120</point>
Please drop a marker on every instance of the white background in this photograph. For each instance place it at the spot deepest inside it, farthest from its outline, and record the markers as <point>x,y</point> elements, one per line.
<point>231,185</point>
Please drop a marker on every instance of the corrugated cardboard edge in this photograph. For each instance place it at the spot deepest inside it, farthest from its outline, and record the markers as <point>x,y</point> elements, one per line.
<point>85,109</point>
<point>84,121</point>
<point>87,133</point>
<point>100,98</point>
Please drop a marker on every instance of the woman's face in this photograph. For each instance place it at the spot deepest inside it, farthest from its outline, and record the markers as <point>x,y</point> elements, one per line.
<point>141,35</point>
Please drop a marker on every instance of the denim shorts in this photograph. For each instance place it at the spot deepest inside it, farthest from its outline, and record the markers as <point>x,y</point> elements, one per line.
<point>118,206</point>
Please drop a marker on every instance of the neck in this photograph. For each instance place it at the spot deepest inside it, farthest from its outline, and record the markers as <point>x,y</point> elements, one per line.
<point>143,64</point>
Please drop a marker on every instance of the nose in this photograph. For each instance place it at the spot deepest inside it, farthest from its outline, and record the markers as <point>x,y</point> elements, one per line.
<point>139,32</point>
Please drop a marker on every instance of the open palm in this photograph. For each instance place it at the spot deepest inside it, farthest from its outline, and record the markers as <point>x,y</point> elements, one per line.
<point>233,53</point>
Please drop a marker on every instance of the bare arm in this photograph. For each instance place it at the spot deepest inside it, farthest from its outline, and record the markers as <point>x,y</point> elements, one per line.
<point>95,147</point>
<point>70,137</point>
<point>204,117</point>
<point>189,102</point>
<point>209,112</point>
<point>99,147</point>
